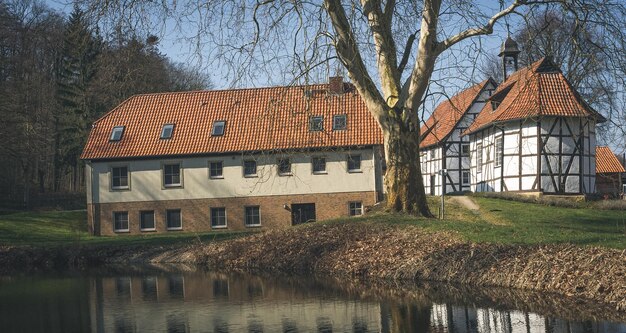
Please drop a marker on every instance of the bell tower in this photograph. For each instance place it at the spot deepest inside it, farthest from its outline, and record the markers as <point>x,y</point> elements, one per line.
<point>509,52</point>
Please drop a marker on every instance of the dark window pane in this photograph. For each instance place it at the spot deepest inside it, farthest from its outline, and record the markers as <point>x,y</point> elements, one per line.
<point>120,221</point>
<point>253,216</point>
<point>147,220</point>
<point>354,162</point>
<point>319,164</point>
<point>174,219</point>
<point>215,169</point>
<point>339,122</point>
<point>249,168</point>
<point>284,166</point>
<point>218,217</point>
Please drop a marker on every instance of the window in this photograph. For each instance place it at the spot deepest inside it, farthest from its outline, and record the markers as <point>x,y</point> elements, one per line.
<point>218,128</point>
<point>120,221</point>
<point>432,154</point>
<point>215,169</point>
<point>146,220</point>
<point>354,163</point>
<point>119,178</point>
<point>167,131</point>
<point>479,157</point>
<point>465,177</point>
<point>253,216</point>
<point>284,166</point>
<point>495,104</point>
<point>249,168</point>
<point>356,208</point>
<point>465,149</point>
<point>171,175</point>
<point>218,217</point>
<point>116,134</point>
<point>173,219</point>
<point>499,151</point>
<point>318,164</point>
<point>316,123</point>
<point>339,122</point>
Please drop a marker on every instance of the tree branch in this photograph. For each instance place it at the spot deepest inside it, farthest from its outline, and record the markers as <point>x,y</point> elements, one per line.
<point>348,52</point>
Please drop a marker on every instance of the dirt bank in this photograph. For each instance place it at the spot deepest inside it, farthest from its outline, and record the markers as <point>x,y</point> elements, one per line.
<point>373,252</point>
<point>389,253</point>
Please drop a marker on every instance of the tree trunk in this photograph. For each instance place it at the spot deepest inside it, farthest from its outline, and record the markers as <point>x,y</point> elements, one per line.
<point>403,179</point>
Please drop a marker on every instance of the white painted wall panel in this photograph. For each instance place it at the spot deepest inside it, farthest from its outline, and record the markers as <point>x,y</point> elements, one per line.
<point>146,178</point>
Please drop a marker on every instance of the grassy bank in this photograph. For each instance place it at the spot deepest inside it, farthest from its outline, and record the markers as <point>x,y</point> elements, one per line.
<point>498,221</point>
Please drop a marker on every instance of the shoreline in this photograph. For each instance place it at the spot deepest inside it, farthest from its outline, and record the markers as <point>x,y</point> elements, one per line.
<point>371,253</point>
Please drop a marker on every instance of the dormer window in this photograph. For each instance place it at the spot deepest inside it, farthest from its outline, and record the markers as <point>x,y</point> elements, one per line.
<point>339,122</point>
<point>166,132</point>
<point>218,128</point>
<point>116,134</point>
<point>316,123</point>
<point>494,105</point>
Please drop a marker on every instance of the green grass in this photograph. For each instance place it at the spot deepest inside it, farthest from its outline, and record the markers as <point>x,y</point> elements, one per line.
<point>70,227</point>
<point>499,221</point>
<point>510,222</point>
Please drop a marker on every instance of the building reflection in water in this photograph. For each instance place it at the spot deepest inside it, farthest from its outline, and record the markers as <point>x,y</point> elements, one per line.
<point>214,302</point>
<point>199,302</point>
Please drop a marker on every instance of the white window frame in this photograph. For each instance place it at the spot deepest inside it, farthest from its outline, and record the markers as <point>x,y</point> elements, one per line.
<point>358,210</point>
<point>111,177</point>
<point>336,122</point>
<point>245,216</point>
<point>316,123</point>
<point>479,157</point>
<point>115,229</point>
<point>250,175</point>
<point>219,128</point>
<point>499,151</point>
<point>141,214</point>
<point>463,174</point>
<point>114,133</point>
<point>167,127</point>
<point>351,157</point>
<point>278,166</point>
<point>225,218</point>
<point>180,175</point>
<point>463,146</point>
<point>318,172</point>
<point>221,168</point>
<point>167,220</point>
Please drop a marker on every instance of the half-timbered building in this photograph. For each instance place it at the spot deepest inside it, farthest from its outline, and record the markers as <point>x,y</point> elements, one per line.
<point>535,134</point>
<point>443,147</point>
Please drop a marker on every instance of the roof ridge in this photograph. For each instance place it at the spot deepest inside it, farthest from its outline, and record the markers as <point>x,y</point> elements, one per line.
<point>230,89</point>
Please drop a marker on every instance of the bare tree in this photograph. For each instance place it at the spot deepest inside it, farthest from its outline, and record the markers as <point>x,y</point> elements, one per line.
<point>389,50</point>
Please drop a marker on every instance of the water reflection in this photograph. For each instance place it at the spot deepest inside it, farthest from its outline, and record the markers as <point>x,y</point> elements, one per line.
<point>156,301</point>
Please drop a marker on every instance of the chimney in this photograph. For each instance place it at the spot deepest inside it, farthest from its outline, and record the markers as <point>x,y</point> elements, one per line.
<point>335,85</point>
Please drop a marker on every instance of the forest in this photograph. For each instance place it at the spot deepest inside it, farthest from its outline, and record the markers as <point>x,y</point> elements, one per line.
<point>58,74</point>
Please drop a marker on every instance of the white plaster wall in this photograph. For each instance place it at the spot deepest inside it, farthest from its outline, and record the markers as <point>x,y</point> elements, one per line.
<point>146,178</point>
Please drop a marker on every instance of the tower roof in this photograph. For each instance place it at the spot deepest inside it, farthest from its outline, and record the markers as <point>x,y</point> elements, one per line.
<point>509,47</point>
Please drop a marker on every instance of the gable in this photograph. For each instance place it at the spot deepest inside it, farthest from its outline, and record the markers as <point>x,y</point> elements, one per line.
<point>449,113</point>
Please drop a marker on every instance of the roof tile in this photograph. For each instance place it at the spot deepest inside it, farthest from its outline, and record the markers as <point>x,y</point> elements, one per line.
<point>257,119</point>
<point>607,162</point>
<point>537,90</point>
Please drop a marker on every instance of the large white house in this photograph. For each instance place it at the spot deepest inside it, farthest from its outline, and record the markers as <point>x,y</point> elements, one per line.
<point>443,147</point>
<point>535,134</point>
<point>232,159</point>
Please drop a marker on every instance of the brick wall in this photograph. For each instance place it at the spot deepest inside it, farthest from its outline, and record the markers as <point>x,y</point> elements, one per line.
<point>196,213</point>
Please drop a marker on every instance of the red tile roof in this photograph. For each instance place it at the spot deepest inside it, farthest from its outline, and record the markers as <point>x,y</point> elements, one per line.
<point>537,90</point>
<point>257,119</point>
<point>448,114</point>
<point>607,162</point>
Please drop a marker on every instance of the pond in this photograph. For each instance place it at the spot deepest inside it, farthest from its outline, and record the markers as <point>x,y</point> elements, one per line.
<point>186,299</point>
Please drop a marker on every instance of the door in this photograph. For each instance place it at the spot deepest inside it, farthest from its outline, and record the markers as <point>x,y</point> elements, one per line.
<point>302,213</point>
<point>433,178</point>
